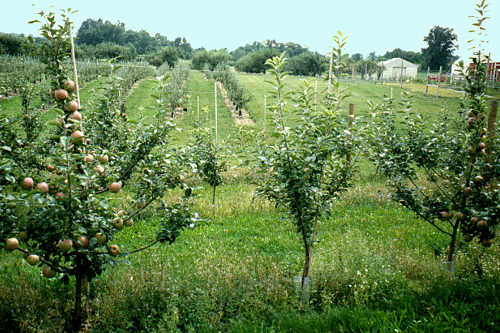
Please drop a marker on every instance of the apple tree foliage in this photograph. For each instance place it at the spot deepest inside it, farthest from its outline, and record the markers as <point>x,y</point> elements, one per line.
<point>304,168</point>
<point>446,169</point>
<point>64,214</point>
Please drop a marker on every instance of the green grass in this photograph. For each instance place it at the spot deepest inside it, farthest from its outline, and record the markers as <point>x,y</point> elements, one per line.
<point>376,268</point>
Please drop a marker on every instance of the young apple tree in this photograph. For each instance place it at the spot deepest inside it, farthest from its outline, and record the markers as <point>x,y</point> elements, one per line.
<point>63,219</point>
<point>447,170</point>
<point>304,168</point>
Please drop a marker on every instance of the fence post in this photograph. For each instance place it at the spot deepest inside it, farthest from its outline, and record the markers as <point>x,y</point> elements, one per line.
<point>427,81</point>
<point>215,94</point>
<point>349,127</point>
<point>438,81</point>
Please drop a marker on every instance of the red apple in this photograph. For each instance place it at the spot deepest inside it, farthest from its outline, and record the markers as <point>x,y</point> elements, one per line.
<point>115,187</point>
<point>460,216</point>
<point>72,106</point>
<point>487,242</point>
<point>113,250</point>
<point>77,137</point>
<point>128,222</point>
<point>23,236</point>
<point>70,86</point>
<point>11,244</point>
<point>101,238</point>
<point>118,223</point>
<point>32,259</point>
<point>99,169</point>
<point>59,196</point>
<point>103,159</point>
<point>27,183</point>
<point>82,242</point>
<point>60,94</point>
<point>76,115</point>
<point>468,238</point>
<point>65,245</point>
<point>48,272</point>
<point>89,158</point>
<point>42,187</point>
<point>482,224</point>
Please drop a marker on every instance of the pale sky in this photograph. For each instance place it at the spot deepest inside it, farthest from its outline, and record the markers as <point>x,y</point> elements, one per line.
<point>371,25</point>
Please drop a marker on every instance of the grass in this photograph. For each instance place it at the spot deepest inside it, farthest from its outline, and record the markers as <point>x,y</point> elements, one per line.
<point>375,268</point>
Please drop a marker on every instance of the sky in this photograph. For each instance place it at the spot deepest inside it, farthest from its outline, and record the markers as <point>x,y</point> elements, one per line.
<point>371,25</point>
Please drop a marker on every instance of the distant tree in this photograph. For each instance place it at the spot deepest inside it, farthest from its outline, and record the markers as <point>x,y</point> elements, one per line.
<point>94,32</point>
<point>255,62</point>
<point>372,57</point>
<point>357,57</point>
<point>413,57</point>
<point>439,51</point>
<point>12,44</point>
<point>167,54</point>
<point>291,49</point>
<point>112,50</point>
<point>142,41</point>
<point>210,59</point>
<point>307,63</point>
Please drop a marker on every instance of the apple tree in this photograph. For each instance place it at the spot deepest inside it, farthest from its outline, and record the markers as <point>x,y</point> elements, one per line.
<point>304,168</point>
<point>63,219</point>
<point>446,169</point>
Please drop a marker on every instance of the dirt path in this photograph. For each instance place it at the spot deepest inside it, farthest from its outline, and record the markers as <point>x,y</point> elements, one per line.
<point>244,119</point>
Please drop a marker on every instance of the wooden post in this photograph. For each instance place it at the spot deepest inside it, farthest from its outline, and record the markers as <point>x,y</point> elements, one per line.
<point>492,118</point>
<point>330,73</point>
<point>438,81</point>
<point>427,84</point>
<point>316,95</point>
<point>265,114</point>
<point>215,94</point>
<point>401,75</point>
<point>73,60</point>
<point>198,108</point>
<point>349,128</point>
<point>391,91</point>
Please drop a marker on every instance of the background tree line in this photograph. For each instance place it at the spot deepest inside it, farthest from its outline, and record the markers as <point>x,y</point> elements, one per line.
<point>98,39</point>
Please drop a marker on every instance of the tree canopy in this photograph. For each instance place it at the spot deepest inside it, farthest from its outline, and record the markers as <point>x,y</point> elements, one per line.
<point>439,51</point>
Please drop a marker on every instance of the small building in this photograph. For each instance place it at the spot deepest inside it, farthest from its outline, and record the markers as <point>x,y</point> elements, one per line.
<point>397,68</point>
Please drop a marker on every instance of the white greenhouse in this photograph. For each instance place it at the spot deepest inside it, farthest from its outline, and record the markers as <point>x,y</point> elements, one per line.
<point>396,68</point>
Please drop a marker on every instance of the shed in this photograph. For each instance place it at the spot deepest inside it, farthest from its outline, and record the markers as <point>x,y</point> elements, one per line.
<point>396,68</point>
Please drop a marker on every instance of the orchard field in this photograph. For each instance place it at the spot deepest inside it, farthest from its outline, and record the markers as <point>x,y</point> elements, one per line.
<point>237,265</point>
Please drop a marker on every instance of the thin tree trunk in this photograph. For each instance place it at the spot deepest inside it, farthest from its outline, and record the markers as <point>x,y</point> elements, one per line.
<point>451,249</point>
<point>213,195</point>
<point>78,315</point>
<point>307,265</point>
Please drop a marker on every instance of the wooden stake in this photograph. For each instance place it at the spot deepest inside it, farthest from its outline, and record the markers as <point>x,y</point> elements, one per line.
<point>215,94</point>
<point>401,75</point>
<point>330,73</point>
<point>427,82</point>
<point>349,127</point>
<point>438,81</point>
<point>492,118</point>
<point>73,60</point>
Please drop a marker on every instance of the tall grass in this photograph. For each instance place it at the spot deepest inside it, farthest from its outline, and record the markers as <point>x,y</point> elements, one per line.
<point>376,268</point>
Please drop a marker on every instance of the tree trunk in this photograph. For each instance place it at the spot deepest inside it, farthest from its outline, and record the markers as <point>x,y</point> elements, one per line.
<point>451,249</point>
<point>307,265</point>
<point>213,195</point>
<point>78,314</point>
